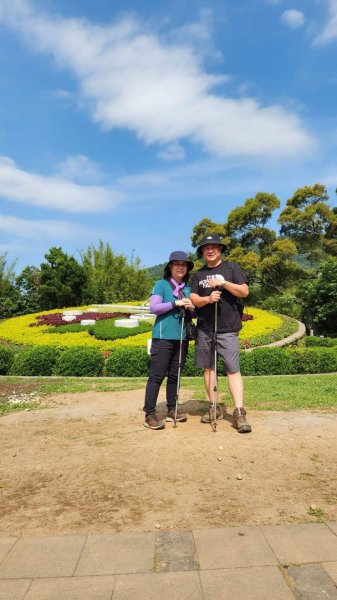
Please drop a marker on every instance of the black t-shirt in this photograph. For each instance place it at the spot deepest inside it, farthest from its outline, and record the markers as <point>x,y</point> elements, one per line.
<point>228,311</point>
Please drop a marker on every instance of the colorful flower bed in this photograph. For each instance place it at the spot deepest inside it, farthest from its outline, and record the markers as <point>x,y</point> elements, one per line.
<point>56,319</point>
<point>28,331</point>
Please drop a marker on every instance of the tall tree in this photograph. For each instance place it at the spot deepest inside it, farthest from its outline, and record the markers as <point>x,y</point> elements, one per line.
<point>307,219</point>
<point>62,280</point>
<point>28,284</point>
<point>112,277</point>
<point>204,227</point>
<point>9,295</point>
<point>318,298</point>
<point>246,225</point>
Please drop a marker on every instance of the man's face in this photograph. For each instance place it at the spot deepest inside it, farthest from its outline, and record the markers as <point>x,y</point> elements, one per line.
<point>211,253</point>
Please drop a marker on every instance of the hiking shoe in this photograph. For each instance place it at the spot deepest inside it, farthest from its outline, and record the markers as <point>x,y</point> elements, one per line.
<point>240,421</point>
<point>209,418</point>
<point>153,422</point>
<point>180,417</point>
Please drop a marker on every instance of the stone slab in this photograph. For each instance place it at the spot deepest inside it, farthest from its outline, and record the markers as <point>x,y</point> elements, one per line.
<point>6,544</point>
<point>175,551</point>
<point>312,582</point>
<point>43,557</point>
<point>331,569</point>
<point>13,589</point>
<point>230,547</point>
<point>117,553</point>
<point>252,583</point>
<point>154,586</point>
<point>72,588</point>
<point>306,543</point>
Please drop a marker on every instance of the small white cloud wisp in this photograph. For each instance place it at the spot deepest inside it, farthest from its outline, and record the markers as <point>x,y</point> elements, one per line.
<point>329,32</point>
<point>52,192</point>
<point>293,18</point>
<point>32,229</point>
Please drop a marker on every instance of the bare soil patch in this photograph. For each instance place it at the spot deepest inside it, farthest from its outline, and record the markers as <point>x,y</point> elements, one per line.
<point>87,464</point>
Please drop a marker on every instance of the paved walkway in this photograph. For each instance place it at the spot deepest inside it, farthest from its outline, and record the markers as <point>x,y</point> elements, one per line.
<point>280,562</point>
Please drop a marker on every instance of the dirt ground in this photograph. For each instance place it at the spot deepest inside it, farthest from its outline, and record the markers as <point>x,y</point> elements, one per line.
<point>88,465</point>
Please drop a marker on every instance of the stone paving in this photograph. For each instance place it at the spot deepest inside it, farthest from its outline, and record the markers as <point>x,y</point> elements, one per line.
<point>281,562</point>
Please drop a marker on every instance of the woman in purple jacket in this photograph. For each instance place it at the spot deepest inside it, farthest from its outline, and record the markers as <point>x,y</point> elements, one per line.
<point>169,296</point>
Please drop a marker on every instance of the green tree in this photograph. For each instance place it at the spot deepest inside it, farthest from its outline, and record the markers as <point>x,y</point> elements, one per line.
<point>307,220</point>
<point>28,284</point>
<point>62,280</point>
<point>318,298</point>
<point>246,225</point>
<point>9,295</point>
<point>111,277</point>
<point>206,226</point>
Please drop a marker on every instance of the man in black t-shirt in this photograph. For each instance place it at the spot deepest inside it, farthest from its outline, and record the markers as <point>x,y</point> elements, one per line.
<point>217,286</point>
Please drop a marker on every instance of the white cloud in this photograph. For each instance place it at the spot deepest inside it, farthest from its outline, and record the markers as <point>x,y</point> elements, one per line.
<point>30,229</point>
<point>52,192</point>
<point>133,78</point>
<point>293,18</point>
<point>79,168</point>
<point>172,152</point>
<point>330,30</point>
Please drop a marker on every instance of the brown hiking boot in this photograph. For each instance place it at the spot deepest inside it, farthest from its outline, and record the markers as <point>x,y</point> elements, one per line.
<point>153,422</point>
<point>240,421</point>
<point>180,418</point>
<point>209,418</point>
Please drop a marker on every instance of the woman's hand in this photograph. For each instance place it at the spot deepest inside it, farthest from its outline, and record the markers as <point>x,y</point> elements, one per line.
<point>185,303</point>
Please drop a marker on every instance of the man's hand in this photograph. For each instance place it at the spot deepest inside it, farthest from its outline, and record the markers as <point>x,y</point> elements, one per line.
<point>216,281</point>
<point>214,297</point>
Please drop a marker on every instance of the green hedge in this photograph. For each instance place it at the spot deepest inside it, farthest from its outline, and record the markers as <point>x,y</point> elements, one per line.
<point>6,359</point>
<point>36,361</point>
<point>135,362</point>
<point>128,362</point>
<point>80,362</point>
<point>266,361</point>
<point>318,341</point>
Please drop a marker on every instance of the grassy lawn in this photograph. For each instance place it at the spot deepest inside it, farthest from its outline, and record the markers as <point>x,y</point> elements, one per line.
<point>287,392</point>
<point>281,392</point>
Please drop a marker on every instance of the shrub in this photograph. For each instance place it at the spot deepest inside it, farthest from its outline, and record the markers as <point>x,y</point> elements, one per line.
<point>37,361</point>
<point>285,361</point>
<point>271,361</point>
<point>189,369</point>
<point>318,341</point>
<point>6,359</point>
<point>305,360</point>
<point>128,362</point>
<point>247,363</point>
<point>80,362</point>
<point>107,330</point>
<point>327,360</point>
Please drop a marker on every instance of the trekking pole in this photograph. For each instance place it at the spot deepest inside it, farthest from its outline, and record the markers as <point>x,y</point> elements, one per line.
<point>221,280</point>
<point>182,316</point>
<point>215,387</point>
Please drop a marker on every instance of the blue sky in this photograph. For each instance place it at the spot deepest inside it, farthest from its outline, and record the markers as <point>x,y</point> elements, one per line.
<point>130,121</point>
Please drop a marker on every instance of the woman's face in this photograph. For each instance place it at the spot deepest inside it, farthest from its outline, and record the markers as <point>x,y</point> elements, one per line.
<point>178,269</point>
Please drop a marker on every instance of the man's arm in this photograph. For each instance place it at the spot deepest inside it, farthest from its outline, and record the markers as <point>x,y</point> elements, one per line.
<point>239,290</point>
<point>200,301</point>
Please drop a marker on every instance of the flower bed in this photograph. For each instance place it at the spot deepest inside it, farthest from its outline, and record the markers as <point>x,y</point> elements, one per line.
<point>56,319</point>
<point>28,331</point>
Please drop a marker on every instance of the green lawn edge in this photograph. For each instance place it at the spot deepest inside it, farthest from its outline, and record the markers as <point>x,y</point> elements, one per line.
<point>269,393</point>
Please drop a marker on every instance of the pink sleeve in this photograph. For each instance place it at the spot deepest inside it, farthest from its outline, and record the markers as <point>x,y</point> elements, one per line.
<point>158,307</point>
